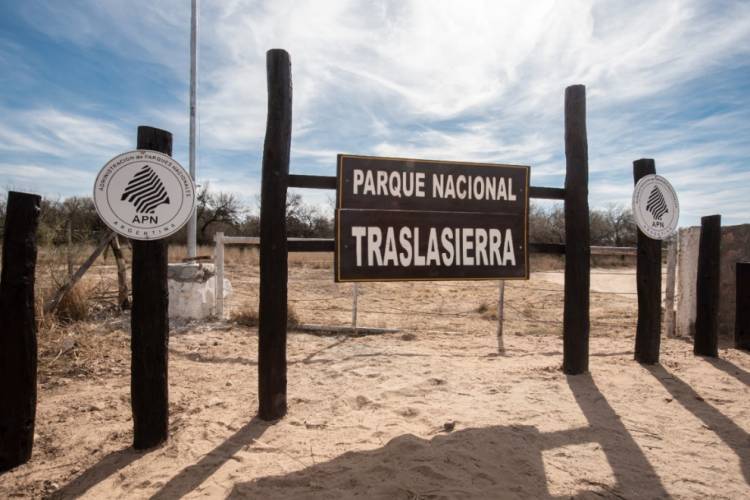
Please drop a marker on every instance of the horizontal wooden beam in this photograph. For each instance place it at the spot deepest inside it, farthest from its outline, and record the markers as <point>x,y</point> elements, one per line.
<point>312,181</point>
<point>553,248</point>
<point>546,193</point>
<point>311,245</point>
<point>613,251</point>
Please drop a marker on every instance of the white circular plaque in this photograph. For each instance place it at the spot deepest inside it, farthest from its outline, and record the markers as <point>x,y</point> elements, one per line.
<point>655,207</point>
<point>144,195</point>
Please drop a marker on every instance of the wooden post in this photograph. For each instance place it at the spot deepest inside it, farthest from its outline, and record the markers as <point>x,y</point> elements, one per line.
<point>122,275</point>
<point>18,348</point>
<point>149,325</point>
<point>52,304</point>
<point>219,267</point>
<point>648,279</point>
<point>355,297</point>
<point>707,288</point>
<point>273,241</point>
<point>742,316</point>
<point>669,293</point>
<point>577,242</point>
<point>500,307</point>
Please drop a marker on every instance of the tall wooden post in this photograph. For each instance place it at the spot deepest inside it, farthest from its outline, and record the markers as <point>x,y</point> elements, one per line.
<point>149,325</point>
<point>273,241</point>
<point>742,316</point>
<point>669,292</point>
<point>707,288</point>
<point>18,348</point>
<point>577,243</point>
<point>648,279</point>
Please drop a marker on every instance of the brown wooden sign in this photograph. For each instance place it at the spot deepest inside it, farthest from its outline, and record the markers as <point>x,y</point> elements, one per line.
<point>405,219</point>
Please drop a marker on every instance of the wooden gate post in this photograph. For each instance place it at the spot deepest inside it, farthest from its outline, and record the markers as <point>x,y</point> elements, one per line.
<point>273,241</point>
<point>18,348</point>
<point>742,316</point>
<point>648,279</point>
<point>669,292</point>
<point>577,242</point>
<point>149,325</point>
<point>706,342</point>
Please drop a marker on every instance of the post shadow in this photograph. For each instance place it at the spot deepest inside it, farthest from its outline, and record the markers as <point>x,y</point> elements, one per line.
<point>728,431</point>
<point>193,475</point>
<point>98,472</point>
<point>634,473</point>
<point>730,369</point>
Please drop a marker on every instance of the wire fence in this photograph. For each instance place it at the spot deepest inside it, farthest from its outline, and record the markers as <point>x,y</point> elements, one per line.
<point>536,303</point>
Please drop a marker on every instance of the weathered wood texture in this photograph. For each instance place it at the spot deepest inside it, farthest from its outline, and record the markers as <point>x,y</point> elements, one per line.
<point>546,193</point>
<point>669,323</point>
<point>742,317</point>
<point>149,325</point>
<point>18,347</point>
<point>273,241</point>
<point>648,281</point>
<point>50,306</point>
<point>706,342</point>
<point>577,242</point>
<point>123,299</point>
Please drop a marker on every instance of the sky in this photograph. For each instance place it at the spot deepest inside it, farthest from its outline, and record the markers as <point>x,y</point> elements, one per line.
<point>450,80</point>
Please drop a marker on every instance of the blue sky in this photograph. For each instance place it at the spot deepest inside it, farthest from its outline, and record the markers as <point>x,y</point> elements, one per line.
<point>474,81</point>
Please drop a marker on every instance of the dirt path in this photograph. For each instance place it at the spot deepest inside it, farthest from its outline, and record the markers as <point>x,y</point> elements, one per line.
<point>431,412</point>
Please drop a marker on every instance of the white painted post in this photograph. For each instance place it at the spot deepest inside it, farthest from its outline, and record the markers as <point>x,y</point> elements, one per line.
<point>669,293</point>
<point>355,292</point>
<point>500,297</point>
<point>219,268</point>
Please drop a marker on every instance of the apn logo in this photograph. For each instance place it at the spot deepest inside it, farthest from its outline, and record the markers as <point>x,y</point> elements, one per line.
<point>146,192</point>
<point>656,204</point>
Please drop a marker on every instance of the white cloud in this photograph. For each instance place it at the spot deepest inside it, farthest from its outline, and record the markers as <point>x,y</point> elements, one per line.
<point>53,132</point>
<point>481,81</point>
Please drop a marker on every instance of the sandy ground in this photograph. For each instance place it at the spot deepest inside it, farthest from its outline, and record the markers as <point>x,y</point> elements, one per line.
<point>436,410</point>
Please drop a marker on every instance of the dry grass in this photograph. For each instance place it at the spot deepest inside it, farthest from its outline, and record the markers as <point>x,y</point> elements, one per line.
<point>246,316</point>
<point>75,305</point>
<point>249,317</point>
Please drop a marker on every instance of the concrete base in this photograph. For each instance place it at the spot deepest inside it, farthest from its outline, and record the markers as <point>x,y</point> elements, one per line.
<point>192,291</point>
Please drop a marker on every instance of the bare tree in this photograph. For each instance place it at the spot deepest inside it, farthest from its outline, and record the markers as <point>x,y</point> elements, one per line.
<point>215,208</point>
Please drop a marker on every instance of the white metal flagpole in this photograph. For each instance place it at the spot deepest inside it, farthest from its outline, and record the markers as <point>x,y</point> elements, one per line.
<point>192,223</point>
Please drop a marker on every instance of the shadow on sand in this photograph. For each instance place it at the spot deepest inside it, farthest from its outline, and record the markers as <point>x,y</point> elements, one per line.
<point>97,473</point>
<point>730,369</point>
<point>729,432</point>
<point>490,462</point>
<point>192,476</point>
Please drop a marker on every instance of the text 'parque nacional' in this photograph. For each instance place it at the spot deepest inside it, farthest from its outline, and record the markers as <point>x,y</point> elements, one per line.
<point>402,219</point>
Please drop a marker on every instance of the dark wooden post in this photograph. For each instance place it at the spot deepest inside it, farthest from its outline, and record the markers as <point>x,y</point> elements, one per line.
<point>18,350</point>
<point>273,242</point>
<point>577,243</point>
<point>149,325</point>
<point>742,316</point>
<point>706,341</point>
<point>648,279</point>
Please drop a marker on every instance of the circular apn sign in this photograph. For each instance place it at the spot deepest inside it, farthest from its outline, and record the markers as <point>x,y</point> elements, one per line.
<point>655,207</point>
<point>144,195</point>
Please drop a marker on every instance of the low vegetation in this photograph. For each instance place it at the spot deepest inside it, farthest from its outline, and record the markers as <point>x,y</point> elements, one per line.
<point>75,219</point>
